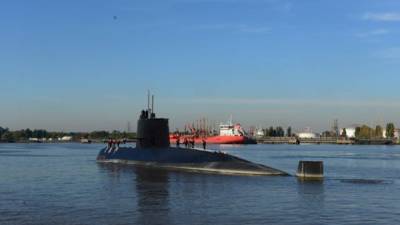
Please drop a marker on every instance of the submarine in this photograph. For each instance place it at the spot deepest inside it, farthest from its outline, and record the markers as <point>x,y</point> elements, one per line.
<point>153,149</point>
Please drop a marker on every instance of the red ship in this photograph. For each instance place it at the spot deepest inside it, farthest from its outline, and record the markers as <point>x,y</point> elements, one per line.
<point>228,134</point>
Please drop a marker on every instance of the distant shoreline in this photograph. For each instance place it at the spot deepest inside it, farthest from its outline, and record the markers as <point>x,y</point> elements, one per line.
<point>60,142</point>
<point>328,140</point>
<point>261,142</point>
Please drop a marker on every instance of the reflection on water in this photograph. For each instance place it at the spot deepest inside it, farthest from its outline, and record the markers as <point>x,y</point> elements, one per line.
<point>311,194</point>
<point>152,191</point>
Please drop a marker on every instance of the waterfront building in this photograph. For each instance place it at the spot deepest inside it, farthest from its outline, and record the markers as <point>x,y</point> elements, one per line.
<point>350,132</point>
<point>65,138</point>
<point>307,134</point>
<point>259,132</point>
<point>397,133</point>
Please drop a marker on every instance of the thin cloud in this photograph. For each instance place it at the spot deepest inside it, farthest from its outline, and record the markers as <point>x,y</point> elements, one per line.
<point>242,28</point>
<point>377,32</point>
<point>385,17</point>
<point>287,6</point>
<point>392,54</point>
<point>249,29</point>
<point>296,102</point>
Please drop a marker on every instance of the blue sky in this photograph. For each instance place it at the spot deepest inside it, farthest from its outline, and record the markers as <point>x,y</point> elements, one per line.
<point>86,65</point>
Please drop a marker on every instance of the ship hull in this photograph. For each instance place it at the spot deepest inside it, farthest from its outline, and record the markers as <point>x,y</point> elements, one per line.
<point>217,139</point>
<point>191,160</point>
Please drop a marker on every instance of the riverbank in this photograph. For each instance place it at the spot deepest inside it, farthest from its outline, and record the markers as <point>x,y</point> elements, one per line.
<point>91,141</point>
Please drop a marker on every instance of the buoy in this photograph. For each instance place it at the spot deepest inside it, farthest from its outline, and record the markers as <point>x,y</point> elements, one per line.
<point>310,170</point>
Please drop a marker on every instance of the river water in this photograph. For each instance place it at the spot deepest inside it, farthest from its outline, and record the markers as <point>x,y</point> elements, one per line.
<point>62,184</point>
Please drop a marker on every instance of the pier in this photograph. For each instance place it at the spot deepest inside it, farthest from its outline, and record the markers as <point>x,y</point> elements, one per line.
<point>294,140</point>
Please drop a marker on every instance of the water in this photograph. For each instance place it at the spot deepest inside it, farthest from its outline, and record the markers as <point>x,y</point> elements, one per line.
<point>63,184</point>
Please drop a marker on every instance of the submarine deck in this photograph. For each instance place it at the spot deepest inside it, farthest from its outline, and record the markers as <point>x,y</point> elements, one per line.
<point>193,160</point>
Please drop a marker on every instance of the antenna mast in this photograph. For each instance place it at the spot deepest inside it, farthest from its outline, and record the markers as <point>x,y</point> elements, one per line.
<point>148,101</point>
<point>152,103</point>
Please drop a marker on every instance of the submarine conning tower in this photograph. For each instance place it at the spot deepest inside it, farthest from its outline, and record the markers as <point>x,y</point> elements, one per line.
<point>152,132</point>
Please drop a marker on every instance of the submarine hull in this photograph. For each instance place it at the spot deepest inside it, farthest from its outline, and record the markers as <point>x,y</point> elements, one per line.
<point>193,160</point>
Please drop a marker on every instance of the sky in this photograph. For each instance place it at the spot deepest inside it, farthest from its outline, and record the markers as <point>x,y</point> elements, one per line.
<point>87,65</point>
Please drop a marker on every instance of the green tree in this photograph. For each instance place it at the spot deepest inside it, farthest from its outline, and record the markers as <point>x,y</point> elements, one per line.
<point>289,131</point>
<point>265,132</point>
<point>99,135</point>
<point>280,132</point>
<point>357,132</point>
<point>28,133</point>
<point>2,131</point>
<point>365,132</point>
<point>131,135</point>
<point>271,131</point>
<point>55,135</point>
<point>39,133</point>
<point>390,130</point>
<point>116,135</point>
<point>8,137</point>
<point>344,132</point>
<point>19,135</point>
<point>378,131</point>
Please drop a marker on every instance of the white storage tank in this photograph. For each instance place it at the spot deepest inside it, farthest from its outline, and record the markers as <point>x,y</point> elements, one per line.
<point>308,135</point>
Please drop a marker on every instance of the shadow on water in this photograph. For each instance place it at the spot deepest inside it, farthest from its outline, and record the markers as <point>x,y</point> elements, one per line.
<point>152,187</point>
<point>152,191</point>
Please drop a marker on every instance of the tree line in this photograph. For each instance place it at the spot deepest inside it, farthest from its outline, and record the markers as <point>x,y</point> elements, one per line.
<point>277,132</point>
<point>366,132</point>
<point>6,135</point>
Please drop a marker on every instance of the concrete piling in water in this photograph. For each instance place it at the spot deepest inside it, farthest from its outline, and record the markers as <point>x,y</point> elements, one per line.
<point>310,170</point>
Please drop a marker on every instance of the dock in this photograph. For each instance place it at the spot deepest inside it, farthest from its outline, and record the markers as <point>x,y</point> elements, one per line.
<point>294,140</point>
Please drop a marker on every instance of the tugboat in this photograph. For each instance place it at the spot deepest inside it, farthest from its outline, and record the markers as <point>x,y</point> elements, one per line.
<point>153,150</point>
<point>228,134</point>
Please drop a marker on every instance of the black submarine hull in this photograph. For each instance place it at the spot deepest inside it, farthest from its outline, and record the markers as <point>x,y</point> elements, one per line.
<point>187,159</point>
